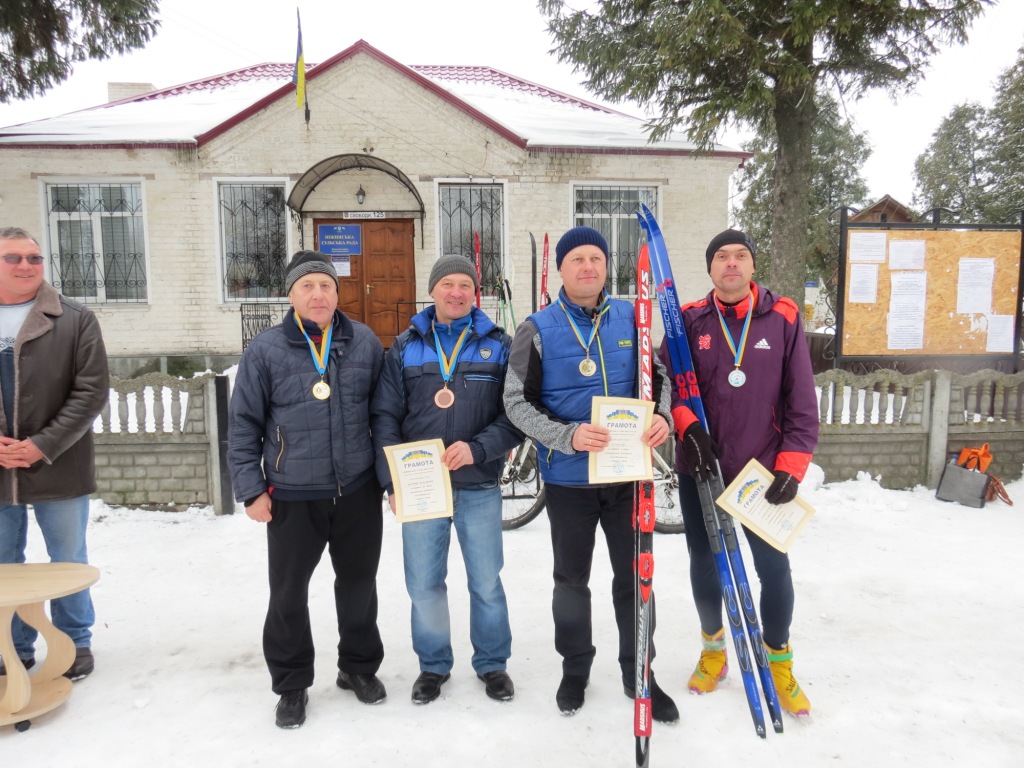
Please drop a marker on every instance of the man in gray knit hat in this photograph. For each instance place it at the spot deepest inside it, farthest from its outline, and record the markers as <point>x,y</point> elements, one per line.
<point>443,378</point>
<point>302,461</point>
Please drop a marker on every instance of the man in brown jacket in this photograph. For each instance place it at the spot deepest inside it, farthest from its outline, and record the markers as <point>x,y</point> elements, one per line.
<point>53,384</point>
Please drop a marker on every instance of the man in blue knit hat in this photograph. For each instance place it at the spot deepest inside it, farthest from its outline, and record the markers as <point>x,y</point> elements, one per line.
<point>581,346</point>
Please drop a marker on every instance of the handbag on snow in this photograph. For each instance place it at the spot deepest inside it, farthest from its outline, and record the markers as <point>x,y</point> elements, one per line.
<point>962,485</point>
<point>975,458</point>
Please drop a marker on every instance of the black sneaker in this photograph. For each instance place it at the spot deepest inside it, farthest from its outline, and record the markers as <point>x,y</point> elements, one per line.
<point>498,685</point>
<point>29,663</point>
<point>570,694</point>
<point>428,687</point>
<point>663,708</point>
<point>367,688</point>
<point>82,666</point>
<point>291,709</point>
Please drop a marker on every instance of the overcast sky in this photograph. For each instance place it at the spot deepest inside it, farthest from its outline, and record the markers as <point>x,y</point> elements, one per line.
<point>199,38</point>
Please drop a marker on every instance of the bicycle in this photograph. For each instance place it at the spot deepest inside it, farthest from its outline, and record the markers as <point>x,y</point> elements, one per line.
<point>523,498</point>
<point>522,489</point>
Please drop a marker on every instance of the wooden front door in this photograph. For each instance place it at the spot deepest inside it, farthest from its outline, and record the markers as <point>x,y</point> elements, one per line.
<point>380,288</point>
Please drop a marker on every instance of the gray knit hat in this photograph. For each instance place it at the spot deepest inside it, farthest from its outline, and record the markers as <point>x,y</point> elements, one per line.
<point>451,264</point>
<point>576,237</point>
<point>305,263</point>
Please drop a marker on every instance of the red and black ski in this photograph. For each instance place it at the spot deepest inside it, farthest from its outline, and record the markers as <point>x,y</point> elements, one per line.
<point>545,299</point>
<point>643,525</point>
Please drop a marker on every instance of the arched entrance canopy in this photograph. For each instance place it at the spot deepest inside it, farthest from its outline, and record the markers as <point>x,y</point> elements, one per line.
<point>305,186</point>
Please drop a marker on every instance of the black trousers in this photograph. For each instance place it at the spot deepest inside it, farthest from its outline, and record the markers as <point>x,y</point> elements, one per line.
<point>575,514</point>
<point>351,528</point>
<point>772,567</point>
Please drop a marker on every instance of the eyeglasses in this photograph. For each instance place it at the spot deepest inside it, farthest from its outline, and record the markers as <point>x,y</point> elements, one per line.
<point>15,259</point>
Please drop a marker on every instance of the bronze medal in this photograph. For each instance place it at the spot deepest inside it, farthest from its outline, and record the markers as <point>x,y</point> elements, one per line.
<point>444,398</point>
<point>321,390</point>
<point>588,367</point>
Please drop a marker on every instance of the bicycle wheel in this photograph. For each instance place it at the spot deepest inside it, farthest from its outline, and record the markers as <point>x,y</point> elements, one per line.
<point>666,490</point>
<point>522,490</point>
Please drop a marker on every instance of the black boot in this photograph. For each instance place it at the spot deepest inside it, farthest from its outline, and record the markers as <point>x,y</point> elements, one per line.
<point>291,709</point>
<point>570,693</point>
<point>663,708</point>
<point>428,687</point>
<point>367,688</point>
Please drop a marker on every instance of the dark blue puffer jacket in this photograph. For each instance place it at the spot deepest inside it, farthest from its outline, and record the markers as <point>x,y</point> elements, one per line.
<point>280,436</point>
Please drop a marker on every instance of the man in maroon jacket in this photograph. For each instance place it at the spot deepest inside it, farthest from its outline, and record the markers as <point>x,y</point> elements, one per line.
<point>754,373</point>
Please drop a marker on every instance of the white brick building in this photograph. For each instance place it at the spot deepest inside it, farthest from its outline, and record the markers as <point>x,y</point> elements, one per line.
<point>167,211</point>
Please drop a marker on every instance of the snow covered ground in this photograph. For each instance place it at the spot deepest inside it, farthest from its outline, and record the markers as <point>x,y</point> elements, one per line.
<point>907,639</point>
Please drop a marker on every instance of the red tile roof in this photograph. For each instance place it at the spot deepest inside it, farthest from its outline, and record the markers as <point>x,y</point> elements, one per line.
<point>499,79</point>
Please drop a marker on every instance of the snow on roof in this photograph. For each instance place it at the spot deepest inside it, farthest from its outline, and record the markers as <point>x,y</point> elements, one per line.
<point>545,117</point>
<point>191,113</point>
<point>177,115</point>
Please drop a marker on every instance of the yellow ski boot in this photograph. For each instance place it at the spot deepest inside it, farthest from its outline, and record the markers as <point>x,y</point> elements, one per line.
<point>791,696</point>
<point>712,666</point>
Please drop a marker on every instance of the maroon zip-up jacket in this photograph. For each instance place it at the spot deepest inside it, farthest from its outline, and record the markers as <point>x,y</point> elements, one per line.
<point>773,417</point>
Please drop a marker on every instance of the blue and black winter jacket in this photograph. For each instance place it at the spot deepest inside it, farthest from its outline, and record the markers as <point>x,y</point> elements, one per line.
<point>403,407</point>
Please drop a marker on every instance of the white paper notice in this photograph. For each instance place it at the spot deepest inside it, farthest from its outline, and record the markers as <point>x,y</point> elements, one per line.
<point>863,283</point>
<point>1000,333</point>
<point>867,246</point>
<point>974,286</point>
<point>906,254</point>
<point>343,265</point>
<point>907,309</point>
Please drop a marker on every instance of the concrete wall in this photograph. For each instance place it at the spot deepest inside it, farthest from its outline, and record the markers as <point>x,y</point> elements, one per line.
<point>898,428</point>
<point>903,429</point>
<point>161,441</point>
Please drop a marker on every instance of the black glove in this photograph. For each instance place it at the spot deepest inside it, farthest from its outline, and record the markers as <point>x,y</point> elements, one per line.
<point>700,452</point>
<point>783,488</point>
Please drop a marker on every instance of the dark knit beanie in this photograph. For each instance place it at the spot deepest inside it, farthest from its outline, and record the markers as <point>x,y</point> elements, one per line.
<point>576,237</point>
<point>305,263</point>
<point>451,264</point>
<point>730,237</point>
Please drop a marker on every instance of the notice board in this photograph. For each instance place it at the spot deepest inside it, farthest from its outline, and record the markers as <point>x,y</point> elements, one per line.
<point>930,292</point>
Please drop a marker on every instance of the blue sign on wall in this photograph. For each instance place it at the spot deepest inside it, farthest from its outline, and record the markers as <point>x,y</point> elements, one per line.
<point>340,239</point>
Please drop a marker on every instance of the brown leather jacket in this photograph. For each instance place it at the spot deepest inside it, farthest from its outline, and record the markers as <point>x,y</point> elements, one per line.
<point>60,365</point>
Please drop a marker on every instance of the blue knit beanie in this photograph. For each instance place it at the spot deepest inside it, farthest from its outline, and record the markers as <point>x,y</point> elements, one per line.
<point>576,237</point>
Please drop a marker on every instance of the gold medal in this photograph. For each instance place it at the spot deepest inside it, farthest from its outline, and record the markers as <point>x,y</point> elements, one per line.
<point>588,367</point>
<point>444,398</point>
<point>321,390</point>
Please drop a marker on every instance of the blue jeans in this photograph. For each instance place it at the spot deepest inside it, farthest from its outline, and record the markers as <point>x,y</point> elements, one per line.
<point>63,525</point>
<point>425,545</point>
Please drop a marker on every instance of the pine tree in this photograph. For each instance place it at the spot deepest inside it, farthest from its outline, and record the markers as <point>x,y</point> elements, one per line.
<point>954,170</point>
<point>42,40</point>
<point>702,65</point>
<point>838,152</point>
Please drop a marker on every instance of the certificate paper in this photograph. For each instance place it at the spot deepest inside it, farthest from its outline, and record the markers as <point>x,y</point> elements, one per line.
<point>423,486</point>
<point>626,457</point>
<point>779,525</point>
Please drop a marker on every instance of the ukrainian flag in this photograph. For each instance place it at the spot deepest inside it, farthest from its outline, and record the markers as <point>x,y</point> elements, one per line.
<point>299,74</point>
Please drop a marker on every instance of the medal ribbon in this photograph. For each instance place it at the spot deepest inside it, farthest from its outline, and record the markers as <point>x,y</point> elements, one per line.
<point>593,331</point>
<point>319,355</point>
<point>448,364</point>
<point>737,353</point>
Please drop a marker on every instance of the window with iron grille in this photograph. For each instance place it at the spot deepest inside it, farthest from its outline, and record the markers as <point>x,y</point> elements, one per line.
<point>470,209</point>
<point>97,241</point>
<point>611,209</point>
<point>254,240</point>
